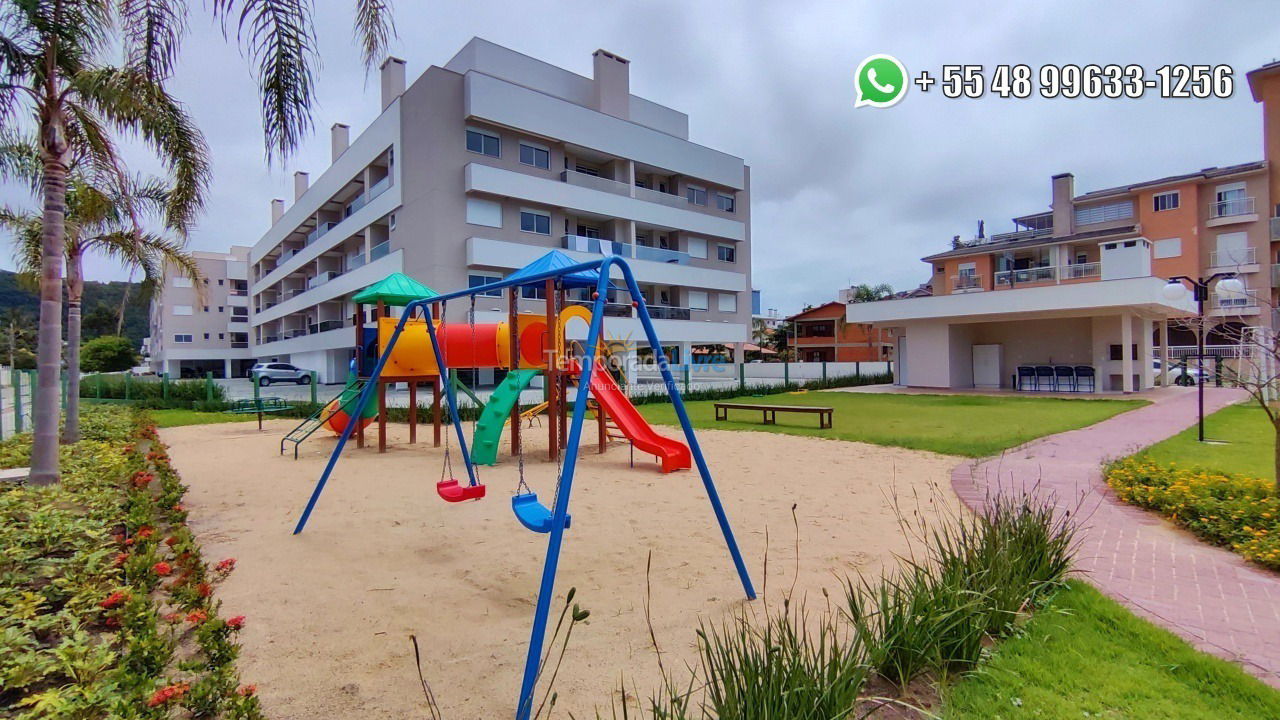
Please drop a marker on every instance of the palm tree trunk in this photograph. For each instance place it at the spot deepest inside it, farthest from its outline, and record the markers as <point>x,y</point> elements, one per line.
<point>124,304</point>
<point>75,295</point>
<point>44,449</point>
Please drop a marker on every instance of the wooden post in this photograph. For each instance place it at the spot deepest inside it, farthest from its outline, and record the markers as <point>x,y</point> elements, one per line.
<point>514,364</point>
<point>553,372</point>
<point>382,415</point>
<point>435,408</point>
<point>562,389</point>
<point>602,431</point>
<point>413,411</point>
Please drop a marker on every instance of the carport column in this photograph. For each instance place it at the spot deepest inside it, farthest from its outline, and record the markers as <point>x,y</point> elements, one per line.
<point>686,352</point>
<point>1126,352</point>
<point>1163,325</point>
<point>226,368</point>
<point>1146,354</point>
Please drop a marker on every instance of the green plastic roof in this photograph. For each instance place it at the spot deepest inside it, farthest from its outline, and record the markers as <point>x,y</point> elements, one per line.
<point>396,290</point>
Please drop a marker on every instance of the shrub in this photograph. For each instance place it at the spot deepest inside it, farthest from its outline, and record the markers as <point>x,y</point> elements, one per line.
<point>108,353</point>
<point>1241,513</point>
<point>150,392</point>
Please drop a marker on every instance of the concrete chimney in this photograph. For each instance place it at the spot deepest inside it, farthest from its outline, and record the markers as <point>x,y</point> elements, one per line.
<point>300,183</point>
<point>339,139</point>
<point>277,210</point>
<point>1064,211</point>
<point>392,80</point>
<point>612,75</point>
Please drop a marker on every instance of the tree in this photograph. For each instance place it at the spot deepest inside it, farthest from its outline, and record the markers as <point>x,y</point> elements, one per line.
<point>860,294</point>
<point>109,353</point>
<point>51,71</point>
<point>16,334</point>
<point>105,221</point>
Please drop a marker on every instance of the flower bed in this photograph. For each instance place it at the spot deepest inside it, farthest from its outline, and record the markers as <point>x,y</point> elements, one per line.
<point>1241,513</point>
<point>106,606</point>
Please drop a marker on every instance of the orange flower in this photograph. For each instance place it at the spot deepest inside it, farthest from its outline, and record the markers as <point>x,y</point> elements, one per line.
<point>115,599</point>
<point>247,690</point>
<point>162,568</point>
<point>167,693</point>
<point>171,540</point>
<point>198,616</point>
<point>145,532</point>
<point>236,622</point>
<point>204,589</point>
<point>121,558</point>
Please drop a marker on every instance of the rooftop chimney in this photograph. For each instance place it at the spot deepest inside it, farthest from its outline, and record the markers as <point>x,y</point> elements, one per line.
<point>392,80</point>
<point>339,139</point>
<point>300,182</point>
<point>1064,211</point>
<point>612,76</point>
<point>277,210</point>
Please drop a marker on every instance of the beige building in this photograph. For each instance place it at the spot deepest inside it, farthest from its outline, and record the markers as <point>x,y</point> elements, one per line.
<point>485,164</point>
<point>202,326</point>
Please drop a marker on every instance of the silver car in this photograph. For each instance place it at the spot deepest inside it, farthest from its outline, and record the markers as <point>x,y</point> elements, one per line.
<point>280,372</point>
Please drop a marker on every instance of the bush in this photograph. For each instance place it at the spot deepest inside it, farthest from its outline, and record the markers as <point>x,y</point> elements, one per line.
<point>109,353</point>
<point>150,391</point>
<point>1242,513</point>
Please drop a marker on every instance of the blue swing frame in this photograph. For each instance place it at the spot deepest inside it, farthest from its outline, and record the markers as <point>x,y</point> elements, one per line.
<point>560,512</point>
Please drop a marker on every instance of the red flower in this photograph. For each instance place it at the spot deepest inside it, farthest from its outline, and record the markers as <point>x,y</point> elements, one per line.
<point>128,541</point>
<point>173,617</point>
<point>204,589</point>
<point>121,558</point>
<point>247,690</point>
<point>142,478</point>
<point>115,599</point>
<point>145,532</point>
<point>167,693</point>
<point>162,568</point>
<point>236,622</point>
<point>112,622</point>
<point>198,616</point>
<point>178,508</point>
<point>225,566</point>
<point>171,540</point>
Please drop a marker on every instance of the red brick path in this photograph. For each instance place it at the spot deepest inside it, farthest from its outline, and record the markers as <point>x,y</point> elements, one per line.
<point>1207,595</point>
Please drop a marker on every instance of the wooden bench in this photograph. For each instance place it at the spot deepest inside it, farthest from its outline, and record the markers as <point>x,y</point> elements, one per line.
<point>769,412</point>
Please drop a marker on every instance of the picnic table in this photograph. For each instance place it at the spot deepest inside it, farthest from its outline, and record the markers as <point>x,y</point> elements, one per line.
<point>769,412</point>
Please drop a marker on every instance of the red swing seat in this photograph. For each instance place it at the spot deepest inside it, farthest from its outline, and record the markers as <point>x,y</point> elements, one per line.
<point>453,491</point>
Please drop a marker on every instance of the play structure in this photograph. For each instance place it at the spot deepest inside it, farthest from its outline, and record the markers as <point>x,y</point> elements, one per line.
<point>422,344</point>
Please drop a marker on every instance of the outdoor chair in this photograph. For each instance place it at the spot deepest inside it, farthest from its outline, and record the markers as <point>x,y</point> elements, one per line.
<point>1026,377</point>
<point>1085,372</point>
<point>1044,373</point>
<point>1065,377</point>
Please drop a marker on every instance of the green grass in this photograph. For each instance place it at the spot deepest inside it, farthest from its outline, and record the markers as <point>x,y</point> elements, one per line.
<point>1251,450</point>
<point>174,418</point>
<point>967,425</point>
<point>1084,656</point>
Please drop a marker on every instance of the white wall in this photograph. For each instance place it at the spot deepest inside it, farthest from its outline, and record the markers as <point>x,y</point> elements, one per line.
<point>928,353</point>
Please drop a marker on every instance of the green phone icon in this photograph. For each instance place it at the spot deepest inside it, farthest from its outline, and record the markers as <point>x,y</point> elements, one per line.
<point>881,80</point>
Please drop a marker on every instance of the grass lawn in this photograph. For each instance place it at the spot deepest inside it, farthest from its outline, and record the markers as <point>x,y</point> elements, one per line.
<point>967,425</point>
<point>1251,451</point>
<point>174,418</point>
<point>1086,657</point>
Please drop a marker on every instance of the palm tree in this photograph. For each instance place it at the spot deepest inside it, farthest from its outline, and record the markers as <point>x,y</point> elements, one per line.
<point>51,72</point>
<point>105,222</point>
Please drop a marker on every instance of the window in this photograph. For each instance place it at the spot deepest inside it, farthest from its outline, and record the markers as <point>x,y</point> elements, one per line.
<point>182,338</point>
<point>727,253</point>
<point>1169,248</point>
<point>534,155</point>
<point>479,141</point>
<point>533,292</point>
<point>181,309</point>
<point>1082,258</point>
<point>697,247</point>
<point>1117,353</point>
<point>724,202</point>
<point>696,195</point>
<point>221,335</point>
<point>206,336</point>
<point>219,283</point>
<point>220,308</point>
<point>727,302</point>
<point>697,300</point>
<point>535,221</point>
<point>1104,213</point>
<point>475,280</point>
<point>182,282</point>
<point>484,212</point>
<point>1166,201</point>
<point>204,308</point>
<point>1232,249</point>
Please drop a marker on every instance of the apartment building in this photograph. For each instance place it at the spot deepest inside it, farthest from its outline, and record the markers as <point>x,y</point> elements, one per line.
<point>821,335</point>
<point>1080,283</point>
<point>483,165</point>
<point>202,326</point>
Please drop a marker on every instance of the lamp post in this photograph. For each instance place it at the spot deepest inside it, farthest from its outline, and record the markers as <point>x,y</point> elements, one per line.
<point>1228,284</point>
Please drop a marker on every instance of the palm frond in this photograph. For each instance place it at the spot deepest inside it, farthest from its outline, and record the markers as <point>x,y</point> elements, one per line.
<point>374,27</point>
<point>153,31</point>
<point>26,229</point>
<point>20,160</point>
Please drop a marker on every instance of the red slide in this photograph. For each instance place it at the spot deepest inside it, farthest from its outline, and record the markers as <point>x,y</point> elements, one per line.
<point>674,454</point>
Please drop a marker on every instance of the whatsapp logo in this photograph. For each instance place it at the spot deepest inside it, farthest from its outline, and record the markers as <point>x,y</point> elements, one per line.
<point>882,81</point>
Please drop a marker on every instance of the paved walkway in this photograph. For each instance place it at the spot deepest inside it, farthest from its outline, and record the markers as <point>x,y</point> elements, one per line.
<point>1207,595</point>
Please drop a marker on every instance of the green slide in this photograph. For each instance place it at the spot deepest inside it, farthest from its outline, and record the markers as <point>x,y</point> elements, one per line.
<point>484,446</point>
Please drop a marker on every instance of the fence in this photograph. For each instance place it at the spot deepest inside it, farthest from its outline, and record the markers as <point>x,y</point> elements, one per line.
<point>755,376</point>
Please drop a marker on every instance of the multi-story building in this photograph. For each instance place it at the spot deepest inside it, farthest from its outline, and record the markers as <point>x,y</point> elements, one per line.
<point>487,163</point>
<point>821,335</point>
<point>202,325</point>
<point>1079,283</point>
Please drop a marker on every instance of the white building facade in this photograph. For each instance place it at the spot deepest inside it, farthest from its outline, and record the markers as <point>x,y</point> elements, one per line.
<point>202,326</point>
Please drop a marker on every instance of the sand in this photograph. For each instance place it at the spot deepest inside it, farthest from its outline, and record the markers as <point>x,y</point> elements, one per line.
<point>330,611</point>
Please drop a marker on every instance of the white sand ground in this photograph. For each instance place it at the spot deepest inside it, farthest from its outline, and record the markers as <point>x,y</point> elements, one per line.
<point>330,611</point>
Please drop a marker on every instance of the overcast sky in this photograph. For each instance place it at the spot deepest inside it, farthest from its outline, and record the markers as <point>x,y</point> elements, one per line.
<point>839,195</point>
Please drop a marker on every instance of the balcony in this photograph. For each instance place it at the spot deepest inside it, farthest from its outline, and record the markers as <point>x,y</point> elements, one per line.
<point>1275,228</point>
<point>239,345</point>
<point>1025,276</point>
<point>597,246</point>
<point>1248,300</point>
<point>668,312</point>
<point>322,278</point>
<point>1233,258</point>
<point>675,201</point>
<point>966,283</point>
<point>380,250</point>
<point>355,261</point>
<point>319,232</point>
<point>1231,208</point>
<point>1275,275</point>
<point>324,326</point>
<point>1080,271</point>
<point>662,255</point>
<point>367,197</point>
<point>293,333</point>
<point>239,318</point>
<point>611,309</point>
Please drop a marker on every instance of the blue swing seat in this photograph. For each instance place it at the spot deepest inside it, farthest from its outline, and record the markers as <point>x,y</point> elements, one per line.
<point>533,514</point>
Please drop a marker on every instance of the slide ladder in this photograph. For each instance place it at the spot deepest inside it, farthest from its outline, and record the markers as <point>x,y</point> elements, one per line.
<point>316,420</point>
<point>673,454</point>
<point>488,436</point>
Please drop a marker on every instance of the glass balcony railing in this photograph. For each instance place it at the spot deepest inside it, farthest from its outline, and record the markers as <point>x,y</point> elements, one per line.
<point>324,326</point>
<point>667,312</point>
<point>662,255</point>
<point>1027,275</point>
<point>380,250</point>
<point>1230,207</point>
<point>367,197</point>
<point>320,230</point>
<point>598,246</point>
<point>611,309</point>
<point>966,282</point>
<point>355,261</point>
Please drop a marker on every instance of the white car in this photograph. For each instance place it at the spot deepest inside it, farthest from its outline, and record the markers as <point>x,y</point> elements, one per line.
<point>280,372</point>
<point>1186,375</point>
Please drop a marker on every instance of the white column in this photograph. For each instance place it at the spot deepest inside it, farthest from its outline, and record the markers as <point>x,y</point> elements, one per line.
<point>686,351</point>
<point>1146,354</point>
<point>1163,324</point>
<point>226,368</point>
<point>1126,352</point>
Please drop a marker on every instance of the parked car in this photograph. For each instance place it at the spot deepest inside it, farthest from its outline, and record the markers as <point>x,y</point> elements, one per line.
<point>280,372</point>
<point>1185,375</point>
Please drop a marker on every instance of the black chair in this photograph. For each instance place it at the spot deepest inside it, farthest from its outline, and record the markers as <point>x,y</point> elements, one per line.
<point>1045,373</point>
<point>1085,372</point>
<point>1065,377</point>
<point>1026,377</point>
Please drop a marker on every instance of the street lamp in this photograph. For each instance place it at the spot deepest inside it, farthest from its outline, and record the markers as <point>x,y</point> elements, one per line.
<point>1229,285</point>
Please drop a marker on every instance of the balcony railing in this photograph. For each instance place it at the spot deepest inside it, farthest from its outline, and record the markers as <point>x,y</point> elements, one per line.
<point>380,250</point>
<point>367,197</point>
<point>1275,275</point>
<point>1233,258</point>
<point>1275,228</point>
<point>663,255</point>
<point>1225,351</point>
<point>324,326</point>
<point>239,345</point>
<point>1079,271</point>
<point>1235,301</point>
<point>677,201</point>
<point>240,318</point>
<point>1234,206</point>
<point>667,312</point>
<point>320,230</point>
<point>293,333</point>
<point>1027,275</point>
<point>573,177</point>
<point>599,246</point>
<point>962,283</point>
<point>355,261</point>
<point>612,309</point>
<point>322,278</point>
<point>270,338</point>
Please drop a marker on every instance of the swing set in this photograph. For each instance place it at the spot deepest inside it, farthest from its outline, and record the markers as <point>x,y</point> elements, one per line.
<point>529,511</point>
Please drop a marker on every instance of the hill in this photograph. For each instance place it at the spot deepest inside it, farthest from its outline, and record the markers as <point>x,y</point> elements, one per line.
<point>101,307</point>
